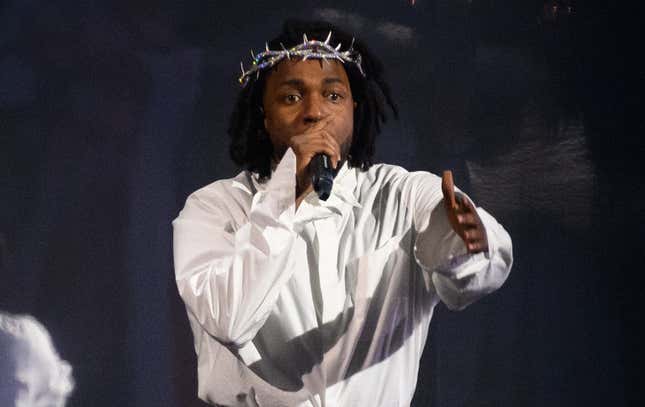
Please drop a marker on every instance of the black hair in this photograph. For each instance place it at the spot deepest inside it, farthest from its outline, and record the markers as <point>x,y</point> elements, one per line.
<point>251,147</point>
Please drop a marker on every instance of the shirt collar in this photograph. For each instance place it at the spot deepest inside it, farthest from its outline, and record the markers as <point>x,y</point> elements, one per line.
<point>342,192</point>
<point>343,189</point>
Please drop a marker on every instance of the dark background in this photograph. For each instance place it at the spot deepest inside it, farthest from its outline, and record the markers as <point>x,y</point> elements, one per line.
<point>111,113</point>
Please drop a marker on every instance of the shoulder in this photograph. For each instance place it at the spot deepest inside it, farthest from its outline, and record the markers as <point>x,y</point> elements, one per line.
<point>219,196</point>
<point>388,175</point>
<point>380,173</point>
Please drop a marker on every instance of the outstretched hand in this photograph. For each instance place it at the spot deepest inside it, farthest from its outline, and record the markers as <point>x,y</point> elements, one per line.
<point>463,217</point>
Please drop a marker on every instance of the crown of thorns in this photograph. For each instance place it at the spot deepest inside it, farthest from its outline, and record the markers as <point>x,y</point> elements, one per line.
<point>306,50</point>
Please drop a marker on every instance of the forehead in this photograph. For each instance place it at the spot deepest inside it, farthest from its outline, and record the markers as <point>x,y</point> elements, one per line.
<point>311,71</point>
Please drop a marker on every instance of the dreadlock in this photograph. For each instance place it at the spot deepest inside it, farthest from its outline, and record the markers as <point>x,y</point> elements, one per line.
<point>251,147</point>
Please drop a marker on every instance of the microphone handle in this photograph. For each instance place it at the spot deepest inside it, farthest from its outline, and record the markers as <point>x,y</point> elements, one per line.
<point>322,175</point>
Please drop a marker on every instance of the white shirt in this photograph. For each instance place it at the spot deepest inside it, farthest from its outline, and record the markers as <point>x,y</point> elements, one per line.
<point>329,304</point>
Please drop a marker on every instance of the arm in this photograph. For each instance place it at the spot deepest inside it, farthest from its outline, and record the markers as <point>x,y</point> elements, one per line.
<point>230,280</point>
<point>466,251</point>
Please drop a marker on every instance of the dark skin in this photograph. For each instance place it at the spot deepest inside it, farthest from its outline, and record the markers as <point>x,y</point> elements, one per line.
<point>308,106</point>
<point>463,217</point>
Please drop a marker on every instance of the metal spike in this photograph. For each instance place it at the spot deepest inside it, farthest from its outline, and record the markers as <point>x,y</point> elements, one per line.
<point>328,37</point>
<point>304,38</point>
<point>242,67</point>
<point>338,46</point>
<point>266,46</point>
<point>285,50</point>
<point>351,46</point>
<point>252,56</point>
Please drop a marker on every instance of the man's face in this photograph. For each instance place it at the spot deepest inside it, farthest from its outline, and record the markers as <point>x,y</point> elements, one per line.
<point>299,94</point>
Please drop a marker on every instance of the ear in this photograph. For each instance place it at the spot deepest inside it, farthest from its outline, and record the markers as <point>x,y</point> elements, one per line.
<point>355,105</point>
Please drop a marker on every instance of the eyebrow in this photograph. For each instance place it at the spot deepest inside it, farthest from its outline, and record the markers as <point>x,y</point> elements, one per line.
<point>328,81</point>
<point>301,83</point>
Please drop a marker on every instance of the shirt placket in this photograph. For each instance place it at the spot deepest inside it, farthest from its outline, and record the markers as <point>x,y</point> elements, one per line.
<point>332,285</point>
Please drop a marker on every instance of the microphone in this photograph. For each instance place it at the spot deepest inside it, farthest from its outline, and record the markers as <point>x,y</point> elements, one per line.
<point>322,175</point>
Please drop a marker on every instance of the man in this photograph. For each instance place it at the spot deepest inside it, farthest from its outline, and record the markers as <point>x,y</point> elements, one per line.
<point>298,301</point>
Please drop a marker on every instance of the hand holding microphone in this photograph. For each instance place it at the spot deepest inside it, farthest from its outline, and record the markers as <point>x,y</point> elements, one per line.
<point>317,156</point>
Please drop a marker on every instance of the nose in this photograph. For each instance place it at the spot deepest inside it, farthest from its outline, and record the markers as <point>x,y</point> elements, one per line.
<point>314,110</point>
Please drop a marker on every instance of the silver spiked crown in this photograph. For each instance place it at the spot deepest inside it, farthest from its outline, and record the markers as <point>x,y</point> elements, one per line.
<point>308,49</point>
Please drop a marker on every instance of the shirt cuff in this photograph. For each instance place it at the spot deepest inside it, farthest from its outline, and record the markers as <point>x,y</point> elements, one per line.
<point>276,204</point>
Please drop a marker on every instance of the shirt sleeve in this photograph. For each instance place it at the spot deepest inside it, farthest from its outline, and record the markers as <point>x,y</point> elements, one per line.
<point>230,279</point>
<point>460,278</point>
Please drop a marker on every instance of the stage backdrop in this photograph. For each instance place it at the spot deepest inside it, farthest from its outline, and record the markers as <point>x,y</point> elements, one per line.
<point>111,113</point>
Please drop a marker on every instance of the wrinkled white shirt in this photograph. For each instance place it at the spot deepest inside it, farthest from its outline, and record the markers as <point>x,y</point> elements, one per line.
<point>329,304</point>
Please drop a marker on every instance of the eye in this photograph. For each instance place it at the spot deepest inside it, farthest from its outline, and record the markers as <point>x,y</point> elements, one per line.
<point>334,96</point>
<point>292,98</point>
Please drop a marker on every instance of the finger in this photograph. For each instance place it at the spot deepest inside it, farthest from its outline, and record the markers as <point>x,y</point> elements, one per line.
<point>307,147</point>
<point>448,189</point>
<point>329,138</point>
<point>322,146</point>
<point>465,203</point>
<point>477,247</point>
<point>324,137</point>
<point>467,219</point>
<point>319,125</point>
<point>473,235</point>
<point>308,141</point>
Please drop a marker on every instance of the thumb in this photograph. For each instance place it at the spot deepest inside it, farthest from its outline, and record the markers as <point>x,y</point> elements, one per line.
<point>448,189</point>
